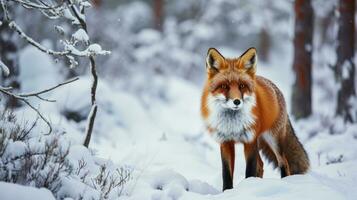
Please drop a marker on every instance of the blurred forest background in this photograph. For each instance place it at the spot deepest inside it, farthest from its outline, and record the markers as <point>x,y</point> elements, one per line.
<point>170,38</point>
<point>149,88</point>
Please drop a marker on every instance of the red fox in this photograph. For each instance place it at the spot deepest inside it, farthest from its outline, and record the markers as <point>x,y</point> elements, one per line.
<point>239,106</point>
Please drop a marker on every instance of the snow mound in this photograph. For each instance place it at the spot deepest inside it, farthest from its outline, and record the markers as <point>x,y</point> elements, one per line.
<point>307,187</point>
<point>11,191</point>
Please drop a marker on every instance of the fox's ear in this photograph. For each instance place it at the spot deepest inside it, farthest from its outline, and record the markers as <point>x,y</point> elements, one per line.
<point>249,59</point>
<point>214,60</point>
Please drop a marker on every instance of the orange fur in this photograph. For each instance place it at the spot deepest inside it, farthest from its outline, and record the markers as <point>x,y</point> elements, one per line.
<point>267,107</point>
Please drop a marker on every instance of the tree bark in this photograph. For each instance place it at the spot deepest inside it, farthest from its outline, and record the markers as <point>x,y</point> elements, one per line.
<point>345,66</point>
<point>158,9</point>
<point>301,95</point>
<point>97,3</point>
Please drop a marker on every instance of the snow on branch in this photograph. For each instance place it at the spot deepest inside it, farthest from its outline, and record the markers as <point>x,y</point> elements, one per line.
<point>81,35</point>
<point>68,10</point>
<point>70,49</point>
<point>24,36</point>
<point>4,68</point>
<point>32,5</point>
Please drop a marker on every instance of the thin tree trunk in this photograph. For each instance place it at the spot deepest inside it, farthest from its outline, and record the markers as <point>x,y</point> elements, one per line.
<point>301,95</point>
<point>345,66</point>
<point>158,14</point>
<point>93,68</point>
<point>264,45</point>
<point>93,112</point>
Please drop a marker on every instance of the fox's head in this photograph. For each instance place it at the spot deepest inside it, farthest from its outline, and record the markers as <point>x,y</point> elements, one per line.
<point>231,80</point>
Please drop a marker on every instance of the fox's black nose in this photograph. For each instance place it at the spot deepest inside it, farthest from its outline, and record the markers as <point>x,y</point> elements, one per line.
<point>236,102</point>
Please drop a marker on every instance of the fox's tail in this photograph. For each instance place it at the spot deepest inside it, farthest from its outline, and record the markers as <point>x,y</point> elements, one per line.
<point>295,153</point>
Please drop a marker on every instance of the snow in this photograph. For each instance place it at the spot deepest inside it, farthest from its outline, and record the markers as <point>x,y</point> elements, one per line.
<point>85,4</point>
<point>14,149</point>
<point>164,142</point>
<point>77,190</point>
<point>68,14</point>
<point>148,36</point>
<point>10,191</point>
<point>174,159</point>
<point>92,50</point>
<point>308,47</point>
<point>4,68</point>
<point>346,69</point>
<point>96,49</point>
<point>60,30</point>
<point>81,35</point>
<point>33,64</point>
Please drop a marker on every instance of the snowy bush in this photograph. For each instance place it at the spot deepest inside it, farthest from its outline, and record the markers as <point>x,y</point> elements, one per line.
<point>49,161</point>
<point>107,181</point>
<point>30,159</point>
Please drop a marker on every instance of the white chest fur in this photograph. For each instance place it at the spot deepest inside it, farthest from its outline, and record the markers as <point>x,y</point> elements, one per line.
<point>232,125</point>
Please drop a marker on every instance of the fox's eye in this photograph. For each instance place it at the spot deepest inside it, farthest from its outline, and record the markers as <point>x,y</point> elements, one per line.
<point>224,86</point>
<point>241,86</point>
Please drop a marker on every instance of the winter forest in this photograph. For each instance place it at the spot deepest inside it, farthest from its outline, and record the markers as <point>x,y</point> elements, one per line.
<point>101,99</point>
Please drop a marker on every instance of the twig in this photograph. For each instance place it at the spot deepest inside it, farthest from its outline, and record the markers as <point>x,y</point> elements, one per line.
<point>49,89</point>
<point>30,4</point>
<point>23,35</point>
<point>6,12</point>
<point>39,114</point>
<point>25,100</point>
<point>45,99</point>
<point>25,97</point>
<point>77,15</point>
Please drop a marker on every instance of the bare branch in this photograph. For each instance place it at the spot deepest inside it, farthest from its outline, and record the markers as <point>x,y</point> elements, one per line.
<point>40,115</point>
<point>49,89</point>
<point>78,15</point>
<point>45,99</point>
<point>6,12</point>
<point>29,4</point>
<point>24,36</point>
<point>25,98</point>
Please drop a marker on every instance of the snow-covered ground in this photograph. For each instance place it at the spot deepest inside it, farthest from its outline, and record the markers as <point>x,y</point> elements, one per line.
<point>163,140</point>
<point>15,192</point>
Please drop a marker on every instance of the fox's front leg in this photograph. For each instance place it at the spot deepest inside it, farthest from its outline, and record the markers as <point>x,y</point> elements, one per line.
<point>254,164</point>
<point>227,156</point>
